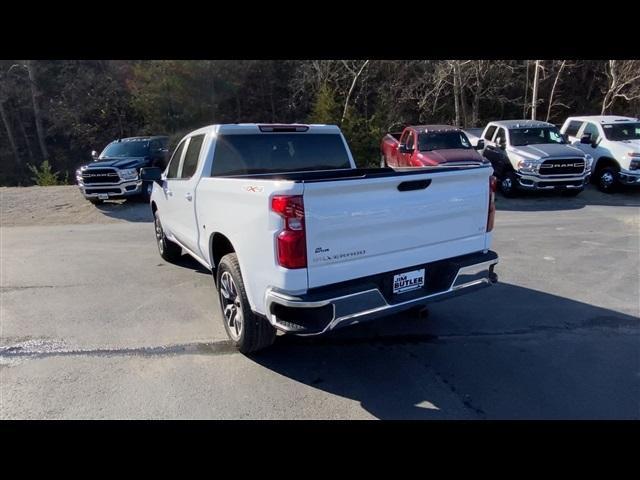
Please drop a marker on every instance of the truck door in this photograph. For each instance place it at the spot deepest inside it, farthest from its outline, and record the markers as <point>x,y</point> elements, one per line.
<point>165,202</point>
<point>183,221</point>
<point>492,151</point>
<point>591,129</point>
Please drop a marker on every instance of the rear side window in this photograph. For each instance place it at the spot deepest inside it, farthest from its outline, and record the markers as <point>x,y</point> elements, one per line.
<point>573,127</point>
<point>191,157</point>
<point>278,152</point>
<point>490,131</point>
<point>175,162</point>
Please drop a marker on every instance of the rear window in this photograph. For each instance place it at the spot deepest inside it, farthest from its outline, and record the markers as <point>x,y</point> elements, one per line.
<point>278,152</point>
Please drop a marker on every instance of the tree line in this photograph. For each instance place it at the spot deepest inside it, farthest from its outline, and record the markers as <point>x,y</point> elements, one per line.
<point>57,111</point>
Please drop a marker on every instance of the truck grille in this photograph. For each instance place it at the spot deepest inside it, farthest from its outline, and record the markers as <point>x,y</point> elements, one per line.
<point>564,166</point>
<point>100,175</point>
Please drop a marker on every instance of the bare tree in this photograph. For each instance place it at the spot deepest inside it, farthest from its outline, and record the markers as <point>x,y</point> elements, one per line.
<point>553,89</point>
<point>356,75</point>
<point>624,82</point>
<point>534,99</point>
<point>35,100</point>
<point>7,122</point>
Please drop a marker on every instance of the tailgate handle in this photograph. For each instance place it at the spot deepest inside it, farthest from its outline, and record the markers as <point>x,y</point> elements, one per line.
<point>414,185</point>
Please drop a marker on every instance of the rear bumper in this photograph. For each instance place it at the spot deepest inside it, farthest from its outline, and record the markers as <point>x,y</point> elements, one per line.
<point>537,182</point>
<point>340,305</point>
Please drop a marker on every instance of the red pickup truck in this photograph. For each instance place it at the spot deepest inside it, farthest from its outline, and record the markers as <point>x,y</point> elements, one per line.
<point>428,145</point>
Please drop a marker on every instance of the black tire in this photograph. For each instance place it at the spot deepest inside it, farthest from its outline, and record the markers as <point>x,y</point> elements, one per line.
<point>572,193</point>
<point>169,251</point>
<point>607,179</point>
<point>96,201</point>
<point>509,185</point>
<point>253,332</point>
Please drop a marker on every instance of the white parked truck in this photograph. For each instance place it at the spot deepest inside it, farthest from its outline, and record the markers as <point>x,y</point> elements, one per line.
<point>302,241</point>
<point>614,144</point>
<point>533,155</point>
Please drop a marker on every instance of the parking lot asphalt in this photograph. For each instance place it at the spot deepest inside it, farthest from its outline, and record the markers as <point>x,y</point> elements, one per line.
<point>94,324</point>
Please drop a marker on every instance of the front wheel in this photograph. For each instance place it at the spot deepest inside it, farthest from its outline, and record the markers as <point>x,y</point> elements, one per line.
<point>607,179</point>
<point>249,332</point>
<point>508,185</point>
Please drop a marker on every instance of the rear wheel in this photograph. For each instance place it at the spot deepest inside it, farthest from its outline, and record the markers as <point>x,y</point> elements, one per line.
<point>607,179</point>
<point>169,251</point>
<point>508,185</point>
<point>249,332</point>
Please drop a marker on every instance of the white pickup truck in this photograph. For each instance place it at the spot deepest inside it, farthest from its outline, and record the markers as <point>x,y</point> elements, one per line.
<point>614,144</point>
<point>302,241</point>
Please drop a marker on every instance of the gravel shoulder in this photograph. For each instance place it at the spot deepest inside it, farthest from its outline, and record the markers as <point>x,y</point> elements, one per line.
<point>63,205</point>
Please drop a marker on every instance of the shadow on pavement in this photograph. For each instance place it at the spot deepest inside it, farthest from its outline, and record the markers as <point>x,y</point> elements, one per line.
<point>552,201</point>
<point>128,210</point>
<point>536,356</point>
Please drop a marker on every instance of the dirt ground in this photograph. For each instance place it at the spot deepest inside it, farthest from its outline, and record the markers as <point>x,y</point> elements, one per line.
<point>63,205</point>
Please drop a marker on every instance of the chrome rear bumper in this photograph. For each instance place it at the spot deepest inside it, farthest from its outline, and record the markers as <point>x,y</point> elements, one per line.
<point>310,315</point>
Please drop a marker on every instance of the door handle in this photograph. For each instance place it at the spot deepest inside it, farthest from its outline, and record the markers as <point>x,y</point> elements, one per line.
<point>414,185</point>
<point>188,196</point>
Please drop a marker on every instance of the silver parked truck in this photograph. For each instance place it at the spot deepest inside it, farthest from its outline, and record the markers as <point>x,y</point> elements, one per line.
<point>533,155</point>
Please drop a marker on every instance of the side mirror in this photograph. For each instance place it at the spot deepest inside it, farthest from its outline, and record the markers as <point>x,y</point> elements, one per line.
<point>404,149</point>
<point>565,137</point>
<point>585,139</point>
<point>480,145</point>
<point>595,143</point>
<point>151,174</point>
<point>94,155</point>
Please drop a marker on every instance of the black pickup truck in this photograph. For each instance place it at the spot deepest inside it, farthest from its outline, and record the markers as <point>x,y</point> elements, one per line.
<point>115,173</point>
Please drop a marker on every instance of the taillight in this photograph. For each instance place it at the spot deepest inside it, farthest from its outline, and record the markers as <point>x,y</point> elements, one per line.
<point>291,242</point>
<point>493,183</point>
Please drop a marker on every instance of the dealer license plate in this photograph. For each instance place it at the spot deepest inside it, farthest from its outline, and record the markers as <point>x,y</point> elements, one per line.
<point>407,281</point>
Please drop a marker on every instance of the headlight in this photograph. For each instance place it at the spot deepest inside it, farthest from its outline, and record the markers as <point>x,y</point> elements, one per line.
<point>588,160</point>
<point>128,173</point>
<point>528,166</point>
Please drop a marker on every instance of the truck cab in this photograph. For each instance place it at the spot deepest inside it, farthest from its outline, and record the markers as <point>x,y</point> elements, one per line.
<point>533,155</point>
<point>614,144</point>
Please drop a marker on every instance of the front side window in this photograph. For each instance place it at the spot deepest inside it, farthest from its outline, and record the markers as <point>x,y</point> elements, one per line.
<point>535,136</point>
<point>501,136</point>
<point>442,141</point>
<point>191,157</point>
<point>410,141</point>
<point>174,163</point>
<point>266,153</point>
<point>573,127</point>
<point>622,131</point>
<point>591,130</point>
<point>490,131</point>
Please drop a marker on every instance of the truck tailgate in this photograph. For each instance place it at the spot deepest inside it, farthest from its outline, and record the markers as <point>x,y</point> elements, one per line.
<point>362,227</point>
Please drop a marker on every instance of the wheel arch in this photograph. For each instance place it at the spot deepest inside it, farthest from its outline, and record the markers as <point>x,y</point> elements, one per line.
<point>604,162</point>
<point>219,246</point>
